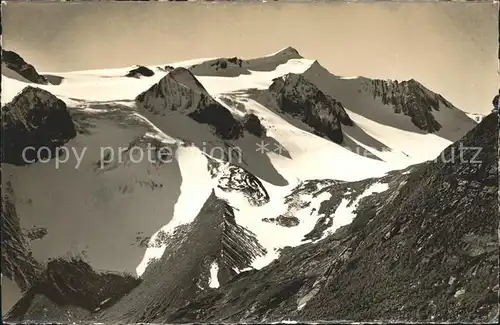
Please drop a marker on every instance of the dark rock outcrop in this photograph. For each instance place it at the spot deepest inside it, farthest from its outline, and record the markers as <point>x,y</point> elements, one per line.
<point>181,92</point>
<point>140,71</point>
<point>18,263</point>
<point>300,98</point>
<point>426,249</point>
<point>15,62</point>
<point>212,113</point>
<point>34,118</point>
<point>284,221</point>
<point>73,283</point>
<point>410,98</point>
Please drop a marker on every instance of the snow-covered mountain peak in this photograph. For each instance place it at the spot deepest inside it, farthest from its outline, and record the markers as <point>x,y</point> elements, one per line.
<point>289,51</point>
<point>235,67</point>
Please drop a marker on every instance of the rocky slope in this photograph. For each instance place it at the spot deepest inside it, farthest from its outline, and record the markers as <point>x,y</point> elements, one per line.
<point>299,98</point>
<point>18,263</point>
<point>420,248</point>
<point>34,118</point>
<point>214,240</point>
<point>73,286</point>
<point>167,284</point>
<point>425,250</point>
<point>181,92</point>
<point>140,71</point>
<point>15,62</point>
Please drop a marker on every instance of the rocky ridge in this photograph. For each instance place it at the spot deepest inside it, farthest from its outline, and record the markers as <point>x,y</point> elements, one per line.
<point>181,92</point>
<point>424,250</point>
<point>140,71</point>
<point>410,98</point>
<point>34,118</point>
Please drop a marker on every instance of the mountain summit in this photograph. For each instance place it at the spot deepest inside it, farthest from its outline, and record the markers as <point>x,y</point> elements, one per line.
<point>180,91</point>
<point>394,103</point>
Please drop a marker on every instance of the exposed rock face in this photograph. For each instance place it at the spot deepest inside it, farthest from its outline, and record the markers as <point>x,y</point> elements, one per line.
<point>410,98</point>
<point>18,263</point>
<point>180,91</point>
<point>251,123</point>
<point>230,101</point>
<point>34,118</point>
<point>172,281</point>
<point>15,62</point>
<point>140,71</point>
<point>72,283</point>
<point>300,98</point>
<point>232,178</point>
<point>424,250</point>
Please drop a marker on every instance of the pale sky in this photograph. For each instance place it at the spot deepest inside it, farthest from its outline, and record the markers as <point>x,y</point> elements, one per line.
<point>452,48</point>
